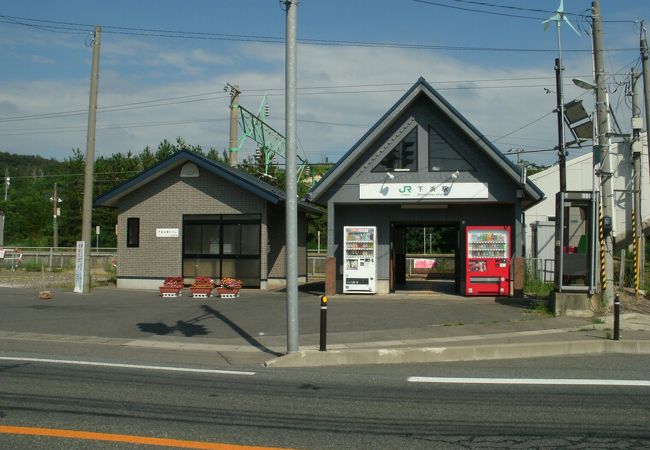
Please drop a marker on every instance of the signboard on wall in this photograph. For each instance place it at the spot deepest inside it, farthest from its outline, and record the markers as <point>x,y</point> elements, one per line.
<point>422,191</point>
<point>167,232</point>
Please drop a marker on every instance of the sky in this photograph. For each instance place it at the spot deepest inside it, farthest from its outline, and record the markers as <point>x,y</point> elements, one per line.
<point>164,63</point>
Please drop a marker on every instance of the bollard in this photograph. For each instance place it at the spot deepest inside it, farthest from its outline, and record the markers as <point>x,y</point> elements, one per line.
<point>323,323</point>
<point>617,317</point>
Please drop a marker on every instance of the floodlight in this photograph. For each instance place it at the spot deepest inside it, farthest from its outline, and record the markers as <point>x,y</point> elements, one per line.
<point>574,112</point>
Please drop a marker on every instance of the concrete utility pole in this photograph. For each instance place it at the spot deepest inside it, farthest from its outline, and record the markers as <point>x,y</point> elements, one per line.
<point>646,81</point>
<point>603,149</point>
<point>636,159</point>
<point>234,125</point>
<point>89,173</point>
<point>291,82</point>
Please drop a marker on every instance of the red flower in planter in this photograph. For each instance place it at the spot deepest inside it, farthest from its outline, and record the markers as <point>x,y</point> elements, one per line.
<point>203,282</point>
<point>175,282</point>
<point>230,283</point>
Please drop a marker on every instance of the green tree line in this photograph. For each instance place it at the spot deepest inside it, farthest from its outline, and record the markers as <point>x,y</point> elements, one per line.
<point>29,183</point>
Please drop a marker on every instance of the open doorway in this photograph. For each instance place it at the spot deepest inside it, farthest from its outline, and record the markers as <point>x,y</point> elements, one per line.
<point>425,258</point>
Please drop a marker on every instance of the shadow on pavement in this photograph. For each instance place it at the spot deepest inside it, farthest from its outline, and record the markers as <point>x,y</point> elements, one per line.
<point>517,302</point>
<point>240,331</point>
<point>187,329</point>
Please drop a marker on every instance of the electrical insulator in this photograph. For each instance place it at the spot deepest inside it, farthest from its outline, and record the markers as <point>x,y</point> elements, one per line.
<point>267,110</point>
<point>307,170</point>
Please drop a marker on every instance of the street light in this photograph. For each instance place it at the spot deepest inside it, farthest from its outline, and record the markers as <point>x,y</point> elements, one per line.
<point>584,84</point>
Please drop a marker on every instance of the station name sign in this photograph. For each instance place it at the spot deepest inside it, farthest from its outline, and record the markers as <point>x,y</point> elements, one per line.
<point>166,232</point>
<point>419,191</point>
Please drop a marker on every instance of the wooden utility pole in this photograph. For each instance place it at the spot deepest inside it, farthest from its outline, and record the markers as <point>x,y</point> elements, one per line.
<point>561,150</point>
<point>55,214</point>
<point>90,160</point>
<point>603,150</point>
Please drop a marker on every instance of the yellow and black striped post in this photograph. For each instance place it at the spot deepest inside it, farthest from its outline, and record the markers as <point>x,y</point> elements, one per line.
<point>635,251</point>
<point>603,275</point>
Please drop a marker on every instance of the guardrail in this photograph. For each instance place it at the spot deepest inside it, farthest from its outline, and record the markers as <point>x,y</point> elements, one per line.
<point>101,259</point>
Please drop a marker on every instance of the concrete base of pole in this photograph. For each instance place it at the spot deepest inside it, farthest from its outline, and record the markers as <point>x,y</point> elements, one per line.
<point>575,304</point>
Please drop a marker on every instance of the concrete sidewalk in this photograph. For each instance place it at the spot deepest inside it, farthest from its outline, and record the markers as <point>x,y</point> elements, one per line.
<point>362,329</point>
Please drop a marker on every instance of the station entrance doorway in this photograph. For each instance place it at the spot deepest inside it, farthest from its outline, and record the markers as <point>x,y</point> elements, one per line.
<point>425,258</point>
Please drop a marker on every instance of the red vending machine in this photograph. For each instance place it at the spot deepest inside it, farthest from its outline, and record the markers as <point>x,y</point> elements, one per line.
<point>488,260</point>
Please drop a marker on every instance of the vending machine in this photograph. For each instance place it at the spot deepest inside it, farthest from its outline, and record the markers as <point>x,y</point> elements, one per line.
<point>488,260</point>
<point>359,259</point>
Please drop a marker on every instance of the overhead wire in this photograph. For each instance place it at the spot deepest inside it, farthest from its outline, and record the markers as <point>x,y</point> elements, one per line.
<point>87,28</point>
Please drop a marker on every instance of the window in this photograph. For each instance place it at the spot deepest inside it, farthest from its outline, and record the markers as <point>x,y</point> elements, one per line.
<point>133,232</point>
<point>222,245</point>
<point>443,157</point>
<point>404,155</point>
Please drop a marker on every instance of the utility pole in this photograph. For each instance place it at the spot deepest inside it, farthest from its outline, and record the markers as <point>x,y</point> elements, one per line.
<point>55,213</point>
<point>602,150</point>
<point>561,152</point>
<point>637,147</point>
<point>291,81</point>
<point>646,81</point>
<point>636,159</point>
<point>6,183</point>
<point>234,126</point>
<point>89,172</point>
<point>2,213</point>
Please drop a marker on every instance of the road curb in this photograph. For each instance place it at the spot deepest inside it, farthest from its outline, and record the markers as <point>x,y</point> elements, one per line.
<point>311,358</point>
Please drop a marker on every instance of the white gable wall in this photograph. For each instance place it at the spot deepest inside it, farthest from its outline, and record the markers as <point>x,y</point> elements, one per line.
<point>579,178</point>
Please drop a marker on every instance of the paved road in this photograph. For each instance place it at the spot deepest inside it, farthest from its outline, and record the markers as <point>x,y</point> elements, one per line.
<point>371,407</point>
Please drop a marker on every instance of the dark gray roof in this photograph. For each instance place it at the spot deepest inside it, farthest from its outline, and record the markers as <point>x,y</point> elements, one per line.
<point>422,87</point>
<point>235,176</point>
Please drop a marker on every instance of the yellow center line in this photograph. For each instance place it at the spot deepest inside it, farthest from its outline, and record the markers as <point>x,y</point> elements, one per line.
<point>160,442</point>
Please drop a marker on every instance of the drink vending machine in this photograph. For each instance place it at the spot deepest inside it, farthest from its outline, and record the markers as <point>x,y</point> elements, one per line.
<point>488,260</point>
<point>359,259</point>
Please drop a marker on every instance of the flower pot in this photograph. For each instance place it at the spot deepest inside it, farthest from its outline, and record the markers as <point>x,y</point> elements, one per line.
<point>227,293</point>
<point>201,292</point>
<point>170,291</point>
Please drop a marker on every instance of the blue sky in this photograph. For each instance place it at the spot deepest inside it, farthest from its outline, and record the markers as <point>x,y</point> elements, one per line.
<point>356,58</point>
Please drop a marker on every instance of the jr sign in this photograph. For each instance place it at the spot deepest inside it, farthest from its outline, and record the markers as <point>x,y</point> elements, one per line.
<point>419,191</point>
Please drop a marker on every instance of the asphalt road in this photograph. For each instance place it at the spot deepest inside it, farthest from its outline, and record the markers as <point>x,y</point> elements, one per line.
<point>345,407</point>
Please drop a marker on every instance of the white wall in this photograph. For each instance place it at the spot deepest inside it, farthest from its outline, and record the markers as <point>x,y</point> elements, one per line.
<point>579,178</point>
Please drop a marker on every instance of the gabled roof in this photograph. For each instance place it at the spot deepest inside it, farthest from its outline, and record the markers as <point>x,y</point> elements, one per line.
<point>235,176</point>
<point>422,87</point>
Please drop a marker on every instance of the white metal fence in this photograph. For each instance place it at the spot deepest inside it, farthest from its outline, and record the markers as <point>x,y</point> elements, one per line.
<point>101,259</point>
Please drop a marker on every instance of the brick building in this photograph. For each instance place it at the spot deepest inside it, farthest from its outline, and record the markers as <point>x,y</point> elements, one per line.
<point>190,216</point>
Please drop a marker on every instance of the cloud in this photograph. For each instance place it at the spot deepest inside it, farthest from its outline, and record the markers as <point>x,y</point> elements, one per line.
<point>343,91</point>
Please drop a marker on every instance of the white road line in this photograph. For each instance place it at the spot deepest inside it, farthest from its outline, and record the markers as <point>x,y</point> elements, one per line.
<point>126,366</point>
<point>546,381</point>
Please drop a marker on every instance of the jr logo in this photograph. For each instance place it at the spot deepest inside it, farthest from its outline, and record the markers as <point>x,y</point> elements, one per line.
<point>405,189</point>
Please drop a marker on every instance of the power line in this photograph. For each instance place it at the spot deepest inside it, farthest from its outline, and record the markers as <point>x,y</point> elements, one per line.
<point>508,7</point>
<point>210,96</point>
<point>86,28</point>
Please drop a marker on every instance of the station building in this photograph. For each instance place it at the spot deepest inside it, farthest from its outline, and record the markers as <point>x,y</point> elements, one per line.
<point>422,165</point>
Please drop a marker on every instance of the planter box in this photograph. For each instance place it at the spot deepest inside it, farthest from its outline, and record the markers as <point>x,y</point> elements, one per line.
<point>199,292</point>
<point>169,291</point>
<point>227,293</point>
